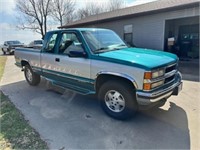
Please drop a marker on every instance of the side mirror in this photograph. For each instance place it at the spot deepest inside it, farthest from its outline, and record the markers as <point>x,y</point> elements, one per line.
<point>77,54</point>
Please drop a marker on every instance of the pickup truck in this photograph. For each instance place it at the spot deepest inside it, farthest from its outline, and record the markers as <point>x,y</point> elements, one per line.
<point>97,61</point>
<point>9,46</point>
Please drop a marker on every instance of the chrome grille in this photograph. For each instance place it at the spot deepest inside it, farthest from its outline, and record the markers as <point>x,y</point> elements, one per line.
<point>170,73</point>
<point>169,79</point>
<point>171,68</point>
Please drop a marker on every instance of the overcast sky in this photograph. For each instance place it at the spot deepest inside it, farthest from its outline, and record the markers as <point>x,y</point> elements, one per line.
<point>8,22</point>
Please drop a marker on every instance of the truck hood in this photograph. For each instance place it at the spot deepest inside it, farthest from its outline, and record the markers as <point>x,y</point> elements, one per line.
<point>144,58</point>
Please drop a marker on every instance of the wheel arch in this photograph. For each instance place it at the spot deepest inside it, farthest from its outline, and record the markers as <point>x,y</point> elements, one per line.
<point>24,63</point>
<point>102,77</point>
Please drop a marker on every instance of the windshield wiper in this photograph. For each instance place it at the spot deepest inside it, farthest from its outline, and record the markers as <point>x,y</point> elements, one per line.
<point>102,49</point>
<point>121,45</point>
<point>105,49</point>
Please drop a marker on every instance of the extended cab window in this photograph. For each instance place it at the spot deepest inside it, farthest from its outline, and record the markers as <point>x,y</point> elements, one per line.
<point>69,42</point>
<point>51,44</point>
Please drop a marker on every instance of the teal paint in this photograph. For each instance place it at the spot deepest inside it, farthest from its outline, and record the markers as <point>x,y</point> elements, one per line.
<point>70,76</point>
<point>65,80</point>
<point>137,57</point>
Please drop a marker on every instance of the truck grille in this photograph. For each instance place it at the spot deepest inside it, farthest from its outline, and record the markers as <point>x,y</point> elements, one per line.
<point>169,79</point>
<point>170,73</point>
<point>171,68</point>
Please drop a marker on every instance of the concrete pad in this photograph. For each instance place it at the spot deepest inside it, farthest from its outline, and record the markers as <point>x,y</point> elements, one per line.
<point>73,121</point>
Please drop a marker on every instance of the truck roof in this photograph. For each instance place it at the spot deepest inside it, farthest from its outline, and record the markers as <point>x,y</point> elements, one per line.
<point>80,29</point>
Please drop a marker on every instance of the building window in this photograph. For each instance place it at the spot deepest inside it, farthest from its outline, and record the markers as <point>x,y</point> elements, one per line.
<point>128,34</point>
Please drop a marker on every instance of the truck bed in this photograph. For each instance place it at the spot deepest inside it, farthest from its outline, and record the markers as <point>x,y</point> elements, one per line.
<point>29,54</point>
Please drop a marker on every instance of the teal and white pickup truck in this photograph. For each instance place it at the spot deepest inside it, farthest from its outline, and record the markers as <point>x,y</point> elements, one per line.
<point>97,61</point>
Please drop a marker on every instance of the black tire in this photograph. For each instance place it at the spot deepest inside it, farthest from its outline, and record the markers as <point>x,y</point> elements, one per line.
<point>126,96</point>
<point>31,77</point>
<point>4,53</point>
<point>12,53</point>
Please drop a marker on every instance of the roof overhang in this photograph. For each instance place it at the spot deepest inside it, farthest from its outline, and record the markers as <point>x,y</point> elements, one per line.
<point>80,23</point>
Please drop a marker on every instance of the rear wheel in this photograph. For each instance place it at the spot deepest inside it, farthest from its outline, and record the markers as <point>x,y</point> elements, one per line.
<point>3,52</point>
<point>12,53</point>
<point>118,99</point>
<point>31,77</point>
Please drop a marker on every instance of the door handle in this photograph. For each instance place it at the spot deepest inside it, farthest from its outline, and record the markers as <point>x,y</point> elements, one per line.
<point>57,59</point>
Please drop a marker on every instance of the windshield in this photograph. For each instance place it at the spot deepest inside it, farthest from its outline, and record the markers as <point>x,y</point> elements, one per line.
<point>103,40</point>
<point>13,42</point>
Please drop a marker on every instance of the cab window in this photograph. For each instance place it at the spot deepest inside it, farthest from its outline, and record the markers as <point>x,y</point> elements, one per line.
<point>69,42</point>
<point>51,44</point>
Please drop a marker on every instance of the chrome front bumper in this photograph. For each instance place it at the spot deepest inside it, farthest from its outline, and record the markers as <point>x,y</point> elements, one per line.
<point>148,98</point>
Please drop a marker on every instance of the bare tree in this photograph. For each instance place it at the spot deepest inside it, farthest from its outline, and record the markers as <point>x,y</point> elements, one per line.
<point>115,4</point>
<point>90,9</point>
<point>94,9</point>
<point>34,15</point>
<point>62,10</point>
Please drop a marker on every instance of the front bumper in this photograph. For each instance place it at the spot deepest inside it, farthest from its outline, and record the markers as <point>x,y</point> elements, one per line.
<point>158,96</point>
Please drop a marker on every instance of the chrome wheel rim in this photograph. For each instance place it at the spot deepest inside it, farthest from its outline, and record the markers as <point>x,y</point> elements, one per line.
<point>114,101</point>
<point>29,75</point>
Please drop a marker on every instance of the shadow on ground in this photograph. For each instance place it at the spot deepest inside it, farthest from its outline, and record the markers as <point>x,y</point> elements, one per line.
<point>69,120</point>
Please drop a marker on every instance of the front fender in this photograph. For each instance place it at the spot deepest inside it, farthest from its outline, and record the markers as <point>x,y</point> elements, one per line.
<point>125,76</point>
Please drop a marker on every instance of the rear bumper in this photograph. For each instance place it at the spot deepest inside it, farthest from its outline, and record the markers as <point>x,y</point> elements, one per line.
<point>8,50</point>
<point>11,50</point>
<point>161,95</point>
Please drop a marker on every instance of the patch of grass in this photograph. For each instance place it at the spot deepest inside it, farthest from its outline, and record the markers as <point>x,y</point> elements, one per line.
<point>15,132</point>
<point>2,65</point>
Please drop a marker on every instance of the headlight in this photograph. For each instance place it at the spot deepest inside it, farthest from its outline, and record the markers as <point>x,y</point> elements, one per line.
<point>156,84</point>
<point>158,73</point>
<point>150,86</point>
<point>154,74</point>
<point>149,82</point>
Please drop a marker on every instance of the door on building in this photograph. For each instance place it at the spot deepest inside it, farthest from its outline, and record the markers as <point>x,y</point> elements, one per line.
<point>188,41</point>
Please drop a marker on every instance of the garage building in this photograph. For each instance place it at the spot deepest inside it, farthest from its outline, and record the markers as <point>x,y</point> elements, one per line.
<point>168,25</point>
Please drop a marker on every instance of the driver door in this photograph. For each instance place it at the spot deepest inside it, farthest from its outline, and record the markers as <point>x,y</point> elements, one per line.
<point>73,70</point>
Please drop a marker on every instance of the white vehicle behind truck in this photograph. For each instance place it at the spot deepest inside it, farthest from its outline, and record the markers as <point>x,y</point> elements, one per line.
<point>9,46</point>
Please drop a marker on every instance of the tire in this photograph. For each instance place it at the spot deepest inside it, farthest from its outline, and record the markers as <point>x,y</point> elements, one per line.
<point>31,77</point>
<point>4,52</point>
<point>12,53</point>
<point>118,100</point>
<point>8,51</point>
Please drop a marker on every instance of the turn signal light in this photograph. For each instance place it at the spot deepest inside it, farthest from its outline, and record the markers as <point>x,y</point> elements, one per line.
<point>147,75</point>
<point>147,86</point>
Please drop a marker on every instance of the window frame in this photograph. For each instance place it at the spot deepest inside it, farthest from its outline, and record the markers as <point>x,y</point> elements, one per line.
<point>69,32</point>
<point>53,51</point>
<point>128,33</point>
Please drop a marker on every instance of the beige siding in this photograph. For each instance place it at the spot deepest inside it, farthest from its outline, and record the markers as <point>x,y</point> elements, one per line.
<point>148,31</point>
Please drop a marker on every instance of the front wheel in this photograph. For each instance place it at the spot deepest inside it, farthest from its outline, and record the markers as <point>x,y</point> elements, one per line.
<point>31,77</point>
<point>118,100</point>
